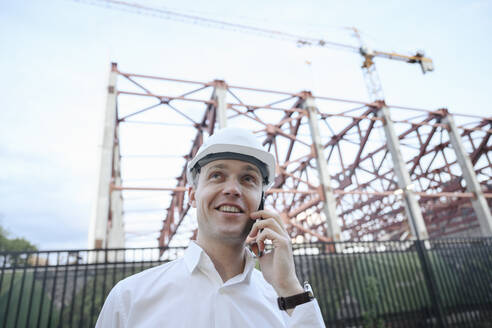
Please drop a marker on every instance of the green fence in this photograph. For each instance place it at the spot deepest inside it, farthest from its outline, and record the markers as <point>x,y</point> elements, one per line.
<point>438,283</point>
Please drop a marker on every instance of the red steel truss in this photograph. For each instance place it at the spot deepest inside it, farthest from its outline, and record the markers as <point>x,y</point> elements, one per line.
<point>369,203</point>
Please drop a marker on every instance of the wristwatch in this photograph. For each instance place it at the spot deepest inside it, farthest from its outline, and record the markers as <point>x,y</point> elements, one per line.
<point>285,303</point>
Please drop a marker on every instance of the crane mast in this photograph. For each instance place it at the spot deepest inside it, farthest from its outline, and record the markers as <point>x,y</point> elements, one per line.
<point>371,77</point>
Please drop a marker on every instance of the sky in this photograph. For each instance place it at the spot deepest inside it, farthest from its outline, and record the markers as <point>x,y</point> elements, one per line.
<point>55,58</point>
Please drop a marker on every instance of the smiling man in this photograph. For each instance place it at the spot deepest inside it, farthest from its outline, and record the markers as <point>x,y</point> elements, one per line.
<point>216,284</point>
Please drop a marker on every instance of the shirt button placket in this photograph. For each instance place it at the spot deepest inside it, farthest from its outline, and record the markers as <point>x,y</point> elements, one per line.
<point>219,308</point>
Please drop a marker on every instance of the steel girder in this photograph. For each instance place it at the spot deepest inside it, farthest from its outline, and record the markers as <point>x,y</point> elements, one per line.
<point>369,203</point>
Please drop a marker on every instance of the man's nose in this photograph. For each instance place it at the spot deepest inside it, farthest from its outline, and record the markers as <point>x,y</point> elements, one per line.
<point>232,188</point>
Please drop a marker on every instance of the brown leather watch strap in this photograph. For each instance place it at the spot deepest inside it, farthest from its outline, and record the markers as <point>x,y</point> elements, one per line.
<point>285,303</point>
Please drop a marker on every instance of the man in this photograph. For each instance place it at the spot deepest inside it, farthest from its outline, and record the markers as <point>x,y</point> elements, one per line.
<point>216,284</point>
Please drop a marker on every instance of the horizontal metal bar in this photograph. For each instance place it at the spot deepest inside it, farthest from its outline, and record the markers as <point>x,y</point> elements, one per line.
<point>211,102</point>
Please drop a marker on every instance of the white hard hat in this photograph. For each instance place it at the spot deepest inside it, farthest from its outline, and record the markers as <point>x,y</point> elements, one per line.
<point>234,143</point>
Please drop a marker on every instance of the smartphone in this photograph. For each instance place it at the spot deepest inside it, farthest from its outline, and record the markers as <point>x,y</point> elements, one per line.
<point>262,203</point>
<point>254,247</point>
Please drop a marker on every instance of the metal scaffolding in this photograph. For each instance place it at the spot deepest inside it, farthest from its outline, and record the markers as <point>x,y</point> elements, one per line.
<point>346,169</point>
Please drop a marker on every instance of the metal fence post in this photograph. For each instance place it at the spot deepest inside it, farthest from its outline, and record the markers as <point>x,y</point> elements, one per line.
<point>430,282</point>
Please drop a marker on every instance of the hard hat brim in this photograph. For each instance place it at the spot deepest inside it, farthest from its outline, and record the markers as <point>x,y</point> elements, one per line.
<point>263,156</point>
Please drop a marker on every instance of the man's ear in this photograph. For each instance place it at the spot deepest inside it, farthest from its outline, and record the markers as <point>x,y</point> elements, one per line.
<point>191,197</point>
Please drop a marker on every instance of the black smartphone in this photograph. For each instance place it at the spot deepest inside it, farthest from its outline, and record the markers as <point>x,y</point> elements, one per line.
<point>262,203</point>
<point>254,247</point>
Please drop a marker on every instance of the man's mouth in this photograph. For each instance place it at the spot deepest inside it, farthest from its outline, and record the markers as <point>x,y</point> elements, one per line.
<point>229,209</point>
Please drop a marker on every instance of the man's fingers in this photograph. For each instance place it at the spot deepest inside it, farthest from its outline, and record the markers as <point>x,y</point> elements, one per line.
<point>250,240</point>
<point>268,226</point>
<point>262,224</point>
<point>265,214</point>
<point>268,234</point>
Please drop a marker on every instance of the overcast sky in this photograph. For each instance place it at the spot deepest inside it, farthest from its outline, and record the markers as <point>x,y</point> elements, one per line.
<point>55,57</point>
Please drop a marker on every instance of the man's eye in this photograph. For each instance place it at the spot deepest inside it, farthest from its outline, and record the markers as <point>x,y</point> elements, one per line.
<point>215,175</point>
<point>250,178</point>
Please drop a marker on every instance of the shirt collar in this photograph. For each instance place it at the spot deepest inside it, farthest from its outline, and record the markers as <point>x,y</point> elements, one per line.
<point>192,256</point>
<point>195,257</point>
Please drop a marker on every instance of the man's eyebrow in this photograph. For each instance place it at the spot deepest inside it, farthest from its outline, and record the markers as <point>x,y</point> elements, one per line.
<point>251,168</point>
<point>246,167</point>
<point>217,166</point>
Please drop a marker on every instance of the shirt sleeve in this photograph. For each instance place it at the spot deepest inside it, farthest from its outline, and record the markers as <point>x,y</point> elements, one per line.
<point>111,315</point>
<point>307,315</point>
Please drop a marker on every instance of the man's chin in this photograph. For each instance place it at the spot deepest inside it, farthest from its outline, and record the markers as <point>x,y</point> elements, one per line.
<point>234,237</point>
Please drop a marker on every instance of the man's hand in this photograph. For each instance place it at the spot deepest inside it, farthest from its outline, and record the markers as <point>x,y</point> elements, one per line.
<point>277,266</point>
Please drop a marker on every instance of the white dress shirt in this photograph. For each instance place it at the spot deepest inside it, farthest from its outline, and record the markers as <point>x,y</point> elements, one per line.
<point>189,292</point>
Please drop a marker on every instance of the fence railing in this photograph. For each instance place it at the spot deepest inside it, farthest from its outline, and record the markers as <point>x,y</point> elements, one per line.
<point>436,283</point>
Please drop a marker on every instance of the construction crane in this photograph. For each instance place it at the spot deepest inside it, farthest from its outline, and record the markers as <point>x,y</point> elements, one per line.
<point>373,83</point>
<point>371,78</point>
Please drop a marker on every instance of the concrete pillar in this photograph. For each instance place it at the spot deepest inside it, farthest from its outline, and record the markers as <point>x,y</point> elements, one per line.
<point>219,96</point>
<point>412,208</point>
<point>479,202</point>
<point>329,204</point>
<point>98,230</point>
<point>116,229</point>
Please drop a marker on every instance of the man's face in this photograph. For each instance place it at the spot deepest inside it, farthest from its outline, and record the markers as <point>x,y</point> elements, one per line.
<point>226,193</point>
